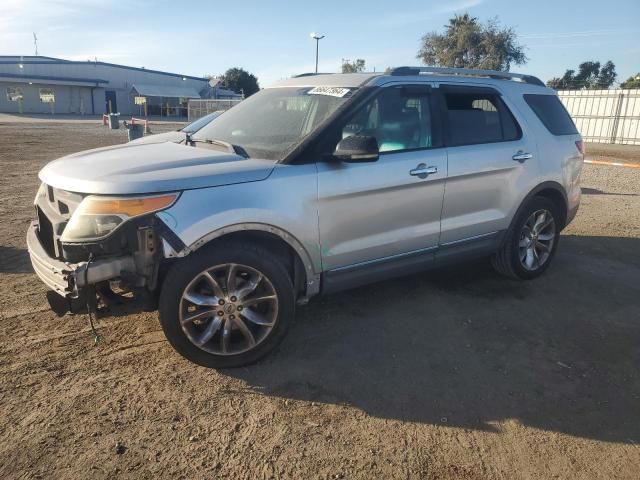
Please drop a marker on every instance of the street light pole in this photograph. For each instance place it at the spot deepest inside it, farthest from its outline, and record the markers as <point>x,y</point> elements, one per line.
<point>317,38</point>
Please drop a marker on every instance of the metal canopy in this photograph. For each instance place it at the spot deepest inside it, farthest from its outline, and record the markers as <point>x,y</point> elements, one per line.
<point>51,80</point>
<point>166,91</point>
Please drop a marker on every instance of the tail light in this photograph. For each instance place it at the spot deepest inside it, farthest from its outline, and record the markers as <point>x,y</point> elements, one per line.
<point>580,147</point>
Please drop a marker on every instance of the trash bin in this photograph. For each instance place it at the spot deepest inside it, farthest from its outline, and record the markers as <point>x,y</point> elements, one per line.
<point>113,121</point>
<point>134,130</point>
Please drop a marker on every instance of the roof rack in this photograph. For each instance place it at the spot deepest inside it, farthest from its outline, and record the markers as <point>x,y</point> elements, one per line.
<point>309,74</point>
<point>468,72</point>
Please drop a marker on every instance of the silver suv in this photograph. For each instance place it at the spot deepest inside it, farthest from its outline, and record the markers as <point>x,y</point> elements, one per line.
<point>318,184</point>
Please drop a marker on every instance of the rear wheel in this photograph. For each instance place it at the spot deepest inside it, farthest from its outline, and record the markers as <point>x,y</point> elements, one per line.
<point>531,242</point>
<point>227,306</point>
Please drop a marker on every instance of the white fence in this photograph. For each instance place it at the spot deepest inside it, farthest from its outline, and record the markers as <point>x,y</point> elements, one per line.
<point>605,116</point>
<point>200,108</point>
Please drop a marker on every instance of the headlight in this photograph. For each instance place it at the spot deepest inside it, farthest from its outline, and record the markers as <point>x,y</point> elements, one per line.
<point>96,217</point>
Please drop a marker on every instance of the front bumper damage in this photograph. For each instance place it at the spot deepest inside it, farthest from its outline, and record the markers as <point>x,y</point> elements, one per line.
<point>69,279</point>
<point>124,266</point>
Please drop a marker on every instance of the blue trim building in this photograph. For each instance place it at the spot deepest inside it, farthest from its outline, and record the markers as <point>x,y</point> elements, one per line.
<point>37,84</point>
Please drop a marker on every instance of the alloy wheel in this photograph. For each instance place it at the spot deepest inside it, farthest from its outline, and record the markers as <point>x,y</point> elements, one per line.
<point>228,309</point>
<point>537,238</point>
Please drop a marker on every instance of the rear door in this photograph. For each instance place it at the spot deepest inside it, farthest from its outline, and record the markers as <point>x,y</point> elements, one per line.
<point>491,159</point>
<point>376,211</point>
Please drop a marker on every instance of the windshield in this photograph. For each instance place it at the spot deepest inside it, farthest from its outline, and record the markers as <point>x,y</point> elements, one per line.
<point>201,122</point>
<point>272,122</point>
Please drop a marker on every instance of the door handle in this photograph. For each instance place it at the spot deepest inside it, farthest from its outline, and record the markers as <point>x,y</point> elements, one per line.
<point>522,156</point>
<point>422,171</point>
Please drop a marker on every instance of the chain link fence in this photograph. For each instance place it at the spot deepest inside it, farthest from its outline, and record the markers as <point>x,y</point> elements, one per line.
<point>199,108</point>
<point>605,116</point>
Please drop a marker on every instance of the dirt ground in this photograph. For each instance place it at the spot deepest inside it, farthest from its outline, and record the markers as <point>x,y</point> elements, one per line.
<point>613,153</point>
<point>454,374</point>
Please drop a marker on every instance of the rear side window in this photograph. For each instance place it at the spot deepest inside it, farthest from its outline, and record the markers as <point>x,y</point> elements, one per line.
<point>551,113</point>
<point>478,116</point>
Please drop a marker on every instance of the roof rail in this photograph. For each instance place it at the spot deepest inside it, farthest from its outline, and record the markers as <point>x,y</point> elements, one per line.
<point>468,72</point>
<point>309,74</point>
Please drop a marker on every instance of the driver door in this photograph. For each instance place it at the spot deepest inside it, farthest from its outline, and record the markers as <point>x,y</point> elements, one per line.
<point>384,214</point>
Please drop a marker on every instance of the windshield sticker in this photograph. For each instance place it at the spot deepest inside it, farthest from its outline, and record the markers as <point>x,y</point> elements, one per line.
<point>331,91</point>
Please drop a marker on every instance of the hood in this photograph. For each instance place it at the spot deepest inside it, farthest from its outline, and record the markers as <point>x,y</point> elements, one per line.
<point>175,136</point>
<point>150,168</point>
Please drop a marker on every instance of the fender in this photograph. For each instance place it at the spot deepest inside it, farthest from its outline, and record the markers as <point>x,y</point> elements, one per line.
<point>313,276</point>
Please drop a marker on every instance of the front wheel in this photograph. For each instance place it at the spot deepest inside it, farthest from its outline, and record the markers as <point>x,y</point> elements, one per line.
<point>226,306</point>
<point>531,242</point>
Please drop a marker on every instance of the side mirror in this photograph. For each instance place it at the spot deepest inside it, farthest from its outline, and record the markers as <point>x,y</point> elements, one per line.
<point>357,148</point>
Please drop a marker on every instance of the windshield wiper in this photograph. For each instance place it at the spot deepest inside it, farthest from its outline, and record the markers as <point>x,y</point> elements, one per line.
<point>231,148</point>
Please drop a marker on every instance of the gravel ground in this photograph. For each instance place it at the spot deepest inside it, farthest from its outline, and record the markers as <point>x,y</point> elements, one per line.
<point>454,374</point>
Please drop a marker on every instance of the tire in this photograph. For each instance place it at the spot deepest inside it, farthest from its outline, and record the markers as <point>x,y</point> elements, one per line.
<point>194,288</point>
<point>508,260</point>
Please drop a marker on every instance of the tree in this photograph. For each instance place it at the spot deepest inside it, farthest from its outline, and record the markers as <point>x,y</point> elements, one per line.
<point>607,75</point>
<point>467,43</point>
<point>631,82</point>
<point>562,83</point>
<point>352,67</point>
<point>590,76</point>
<point>240,81</point>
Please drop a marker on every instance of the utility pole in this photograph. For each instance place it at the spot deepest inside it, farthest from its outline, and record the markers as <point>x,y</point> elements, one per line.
<point>317,38</point>
<point>35,43</point>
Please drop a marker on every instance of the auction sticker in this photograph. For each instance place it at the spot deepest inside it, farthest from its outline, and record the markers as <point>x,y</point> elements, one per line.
<point>331,91</point>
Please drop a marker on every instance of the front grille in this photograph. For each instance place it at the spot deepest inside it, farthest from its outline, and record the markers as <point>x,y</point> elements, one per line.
<point>45,233</point>
<point>54,209</point>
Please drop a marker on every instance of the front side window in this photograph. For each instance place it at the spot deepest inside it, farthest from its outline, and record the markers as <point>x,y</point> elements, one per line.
<point>271,123</point>
<point>399,118</point>
<point>478,117</point>
<point>47,95</point>
<point>14,94</point>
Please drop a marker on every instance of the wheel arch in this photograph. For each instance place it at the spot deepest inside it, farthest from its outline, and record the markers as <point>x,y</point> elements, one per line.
<point>550,190</point>
<point>557,195</point>
<point>297,259</point>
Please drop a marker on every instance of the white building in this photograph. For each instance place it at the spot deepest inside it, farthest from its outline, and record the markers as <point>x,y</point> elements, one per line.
<point>30,84</point>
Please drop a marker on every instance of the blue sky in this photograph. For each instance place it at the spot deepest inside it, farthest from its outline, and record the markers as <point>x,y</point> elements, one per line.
<point>271,39</point>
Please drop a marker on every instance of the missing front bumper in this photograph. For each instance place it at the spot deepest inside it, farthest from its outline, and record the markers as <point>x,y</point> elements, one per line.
<point>68,279</point>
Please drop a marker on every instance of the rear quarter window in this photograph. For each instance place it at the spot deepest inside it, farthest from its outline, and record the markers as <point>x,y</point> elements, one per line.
<point>552,114</point>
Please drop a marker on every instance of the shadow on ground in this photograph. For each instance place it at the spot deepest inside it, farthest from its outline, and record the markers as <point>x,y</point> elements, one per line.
<point>466,348</point>
<point>14,260</point>
<point>596,191</point>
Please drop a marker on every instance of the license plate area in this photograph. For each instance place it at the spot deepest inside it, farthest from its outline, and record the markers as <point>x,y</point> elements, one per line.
<point>45,233</point>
